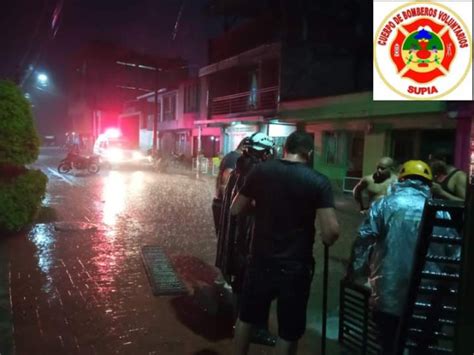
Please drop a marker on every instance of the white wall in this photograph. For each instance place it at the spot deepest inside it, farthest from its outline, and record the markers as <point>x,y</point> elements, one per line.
<point>145,140</point>
<point>279,130</point>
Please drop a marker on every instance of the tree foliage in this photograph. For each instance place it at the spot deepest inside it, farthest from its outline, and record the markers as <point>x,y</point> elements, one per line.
<point>19,141</point>
<point>21,190</point>
<point>20,200</point>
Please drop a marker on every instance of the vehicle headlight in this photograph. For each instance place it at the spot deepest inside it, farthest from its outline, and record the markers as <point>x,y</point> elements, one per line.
<point>114,155</point>
<point>137,155</point>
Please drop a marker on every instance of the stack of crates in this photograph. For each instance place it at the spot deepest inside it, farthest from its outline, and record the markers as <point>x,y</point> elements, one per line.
<point>357,332</point>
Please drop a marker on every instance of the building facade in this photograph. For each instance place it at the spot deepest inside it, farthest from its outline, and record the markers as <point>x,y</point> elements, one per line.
<point>104,77</point>
<point>326,82</point>
<point>176,109</point>
<point>353,132</point>
<point>240,87</point>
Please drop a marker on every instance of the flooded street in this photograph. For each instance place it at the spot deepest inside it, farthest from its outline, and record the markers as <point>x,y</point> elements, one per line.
<point>78,284</point>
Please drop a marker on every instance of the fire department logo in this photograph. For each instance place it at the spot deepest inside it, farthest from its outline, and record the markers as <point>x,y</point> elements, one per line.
<point>423,51</point>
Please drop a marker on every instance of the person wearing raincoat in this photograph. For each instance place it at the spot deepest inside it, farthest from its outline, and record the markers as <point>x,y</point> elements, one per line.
<point>227,165</point>
<point>234,232</point>
<point>386,244</point>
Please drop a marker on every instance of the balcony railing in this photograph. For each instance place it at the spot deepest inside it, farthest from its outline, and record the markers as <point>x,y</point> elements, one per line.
<point>263,99</point>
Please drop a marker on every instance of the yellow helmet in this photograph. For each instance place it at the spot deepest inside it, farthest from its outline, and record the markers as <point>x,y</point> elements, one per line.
<point>416,168</point>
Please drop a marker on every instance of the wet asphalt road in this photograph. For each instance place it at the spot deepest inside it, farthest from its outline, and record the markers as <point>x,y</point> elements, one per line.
<point>78,285</point>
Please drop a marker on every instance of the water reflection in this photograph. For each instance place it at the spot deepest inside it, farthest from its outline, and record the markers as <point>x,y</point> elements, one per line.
<point>137,182</point>
<point>113,196</point>
<point>107,249</point>
<point>42,235</point>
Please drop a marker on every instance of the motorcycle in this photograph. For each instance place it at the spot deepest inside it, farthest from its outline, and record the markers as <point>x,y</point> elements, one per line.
<point>157,160</point>
<point>80,162</point>
<point>161,162</point>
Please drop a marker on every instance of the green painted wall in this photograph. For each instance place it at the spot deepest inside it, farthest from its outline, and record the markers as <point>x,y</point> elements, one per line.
<point>356,106</point>
<point>338,110</point>
<point>374,149</point>
<point>335,172</point>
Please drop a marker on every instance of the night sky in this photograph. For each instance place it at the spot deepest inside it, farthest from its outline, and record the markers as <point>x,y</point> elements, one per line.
<point>145,26</point>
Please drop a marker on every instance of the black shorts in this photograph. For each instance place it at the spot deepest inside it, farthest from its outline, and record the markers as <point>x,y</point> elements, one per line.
<point>290,284</point>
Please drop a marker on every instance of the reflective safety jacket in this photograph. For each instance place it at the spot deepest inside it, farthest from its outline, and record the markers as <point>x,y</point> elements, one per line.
<point>386,242</point>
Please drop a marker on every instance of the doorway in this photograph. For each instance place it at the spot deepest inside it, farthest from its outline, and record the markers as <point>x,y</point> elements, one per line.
<point>356,154</point>
<point>418,144</point>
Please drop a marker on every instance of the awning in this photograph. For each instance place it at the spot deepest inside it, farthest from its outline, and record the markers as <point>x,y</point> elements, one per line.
<point>230,120</point>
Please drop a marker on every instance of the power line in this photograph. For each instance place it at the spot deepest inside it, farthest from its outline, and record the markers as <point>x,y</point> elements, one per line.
<point>178,18</point>
<point>52,31</point>
<point>31,42</point>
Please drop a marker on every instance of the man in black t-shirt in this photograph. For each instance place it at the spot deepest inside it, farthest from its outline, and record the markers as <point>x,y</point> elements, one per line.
<point>287,194</point>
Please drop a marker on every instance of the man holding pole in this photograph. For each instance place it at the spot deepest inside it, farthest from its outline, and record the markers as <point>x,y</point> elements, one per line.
<point>286,195</point>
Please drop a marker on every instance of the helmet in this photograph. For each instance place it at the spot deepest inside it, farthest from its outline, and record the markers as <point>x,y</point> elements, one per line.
<point>416,168</point>
<point>259,141</point>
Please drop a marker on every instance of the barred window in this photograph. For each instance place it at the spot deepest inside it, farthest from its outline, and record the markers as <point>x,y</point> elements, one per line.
<point>333,147</point>
<point>191,98</point>
<point>169,107</point>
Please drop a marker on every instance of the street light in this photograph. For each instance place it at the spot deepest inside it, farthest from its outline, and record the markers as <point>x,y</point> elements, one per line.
<point>42,79</point>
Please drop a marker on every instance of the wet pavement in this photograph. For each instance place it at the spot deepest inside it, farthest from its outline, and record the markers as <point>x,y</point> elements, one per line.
<point>78,286</point>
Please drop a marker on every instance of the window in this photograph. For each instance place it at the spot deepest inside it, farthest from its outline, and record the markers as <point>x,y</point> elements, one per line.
<point>333,145</point>
<point>252,100</point>
<point>169,108</point>
<point>191,98</point>
<point>150,109</point>
<point>149,122</point>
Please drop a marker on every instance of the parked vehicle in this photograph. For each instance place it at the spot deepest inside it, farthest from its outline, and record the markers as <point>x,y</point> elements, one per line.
<point>49,141</point>
<point>117,150</point>
<point>157,160</point>
<point>80,162</point>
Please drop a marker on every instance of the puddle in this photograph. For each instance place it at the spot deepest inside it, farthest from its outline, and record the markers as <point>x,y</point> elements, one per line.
<point>74,226</point>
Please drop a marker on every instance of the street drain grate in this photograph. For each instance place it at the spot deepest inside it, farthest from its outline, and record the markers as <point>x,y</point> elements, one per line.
<point>160,272</point>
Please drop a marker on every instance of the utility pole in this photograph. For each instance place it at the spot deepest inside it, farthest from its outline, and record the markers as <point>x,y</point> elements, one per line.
<point>156,111</point>
<point>155,116</point>
<point>198,153</point>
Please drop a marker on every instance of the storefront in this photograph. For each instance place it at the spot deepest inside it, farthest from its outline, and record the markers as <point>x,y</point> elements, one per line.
<point>352,132</point>
<point>234,134</point>
<point>278,131</point>
<point>206,140</point>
